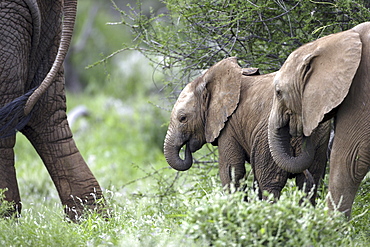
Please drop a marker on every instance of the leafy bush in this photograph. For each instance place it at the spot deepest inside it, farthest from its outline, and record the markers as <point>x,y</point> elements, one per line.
<point>170,208</point>
<point>227,220</point>
<point>361,208</point>
<point>195,34</point>
<point>5,206</point>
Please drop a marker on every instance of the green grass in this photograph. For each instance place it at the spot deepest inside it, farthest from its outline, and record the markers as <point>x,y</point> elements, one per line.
<point>153,205</point>
<point>185,216</point>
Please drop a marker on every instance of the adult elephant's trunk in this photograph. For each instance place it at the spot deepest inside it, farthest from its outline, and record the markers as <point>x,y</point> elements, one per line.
<point>69,16</point>
<point>172,154</point>
<point>279,142</point>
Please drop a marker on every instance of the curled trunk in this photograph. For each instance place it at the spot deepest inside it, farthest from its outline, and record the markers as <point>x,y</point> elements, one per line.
<point>279,142</point>
<point>172,154</point>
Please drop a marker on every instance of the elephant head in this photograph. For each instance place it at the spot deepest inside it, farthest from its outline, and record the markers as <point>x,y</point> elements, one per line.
<point>309,87</point>
<point>201,111</point>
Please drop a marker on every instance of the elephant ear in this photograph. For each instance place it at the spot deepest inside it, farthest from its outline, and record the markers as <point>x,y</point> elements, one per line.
<point>251,71</point>
<point>223,82</point>
<point>329,72</point>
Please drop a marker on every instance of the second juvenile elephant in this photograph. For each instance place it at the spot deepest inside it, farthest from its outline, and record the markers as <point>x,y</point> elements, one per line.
<point>227,108</point>
<point>327,78</point>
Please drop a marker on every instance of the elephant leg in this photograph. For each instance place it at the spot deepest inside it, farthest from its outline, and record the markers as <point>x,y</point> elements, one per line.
<point>231,162</point>
<point>49,133</point>
<point>317,171</point>
<point>318,167</point>
<point>270,178</point>
<point>349,165</point>
<point>8,179</point>
<point>15,45</point>
<point>75,183</point>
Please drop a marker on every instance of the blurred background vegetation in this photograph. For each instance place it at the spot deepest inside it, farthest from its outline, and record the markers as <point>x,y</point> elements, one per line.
<point>122,111</point>
<point>126,66</point>
<point>193,35</point>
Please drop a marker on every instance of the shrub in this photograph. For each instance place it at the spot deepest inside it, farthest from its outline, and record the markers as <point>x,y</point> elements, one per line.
<point>227,220</point>
<point>5,206</point>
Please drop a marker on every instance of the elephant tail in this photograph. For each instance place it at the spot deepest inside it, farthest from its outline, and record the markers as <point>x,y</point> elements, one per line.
<point>16,114</point>
<point>12,117</point>
<point>70,10</point>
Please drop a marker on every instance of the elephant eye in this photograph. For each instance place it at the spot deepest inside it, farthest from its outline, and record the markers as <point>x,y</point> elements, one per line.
<point>308,68</point>
<point>278,93</point>
<point>307,72</point>
<point>182,119</point>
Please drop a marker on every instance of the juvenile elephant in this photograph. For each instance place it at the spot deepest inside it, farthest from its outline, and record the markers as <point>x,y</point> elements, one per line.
<point>230,109</point>
<point>327,78</point>
<point>33,45</point>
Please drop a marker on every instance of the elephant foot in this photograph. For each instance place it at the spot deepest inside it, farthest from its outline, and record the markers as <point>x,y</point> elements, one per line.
<point>77,210</point>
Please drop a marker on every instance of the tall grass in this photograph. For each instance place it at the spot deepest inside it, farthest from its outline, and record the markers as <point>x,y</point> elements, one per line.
<point>153,205</point>
<point>186,217</point>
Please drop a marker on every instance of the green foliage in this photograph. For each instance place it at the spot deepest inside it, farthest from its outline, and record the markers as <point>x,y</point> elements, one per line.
<point>226,220</point>
<point>194,35</point>
<point>152,205</point>
<point>361,208</point>
<point>121,140</point>
<point>92,41</point>
<point>124,76</point>
<point>5,206</point>
<point>128,137</point>
<point>185,216</point>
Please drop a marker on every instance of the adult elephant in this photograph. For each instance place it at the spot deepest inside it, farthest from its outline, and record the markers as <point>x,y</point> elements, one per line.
<point>327,78</point>
<point>229,107</point>
<point>33,45</point>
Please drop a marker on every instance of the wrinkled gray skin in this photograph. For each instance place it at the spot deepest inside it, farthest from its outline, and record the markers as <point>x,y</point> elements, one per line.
<point>327,78</point>
<point>231,110</point>
<point>29,42</point>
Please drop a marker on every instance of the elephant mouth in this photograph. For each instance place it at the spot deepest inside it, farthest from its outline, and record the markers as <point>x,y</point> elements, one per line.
<point>294,124</point>
<point>193,145</point>
<point>178,153</point>
<point>289,130</point>
<point>183,148</point>
<point>190,145</point>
